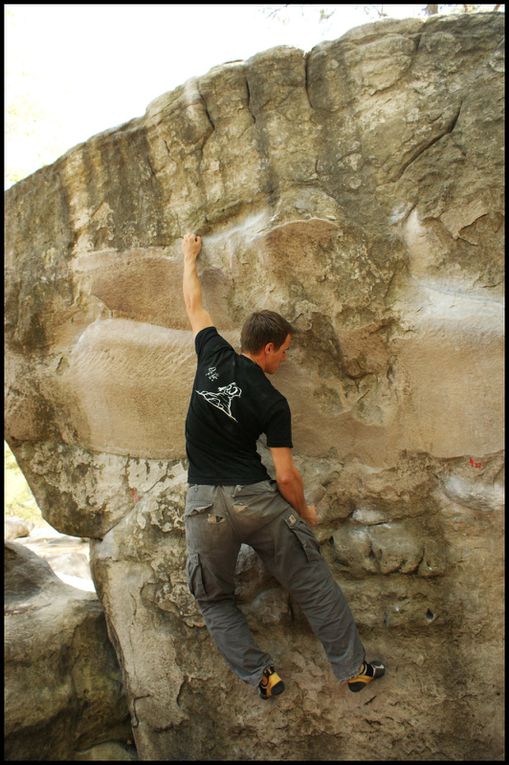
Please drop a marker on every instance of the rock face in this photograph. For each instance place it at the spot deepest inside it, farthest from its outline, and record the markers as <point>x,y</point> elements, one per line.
<point>64,691</point>
<point>358,190</point>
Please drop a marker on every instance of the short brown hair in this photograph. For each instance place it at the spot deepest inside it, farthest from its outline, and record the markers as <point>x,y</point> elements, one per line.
<point>264,327</point>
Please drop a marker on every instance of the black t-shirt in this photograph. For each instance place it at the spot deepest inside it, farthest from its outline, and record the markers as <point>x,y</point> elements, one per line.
<point>231,405</point>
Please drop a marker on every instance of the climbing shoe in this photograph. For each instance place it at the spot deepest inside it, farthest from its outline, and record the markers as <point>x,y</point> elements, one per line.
<point>270,684</point>
<point>368,672</point>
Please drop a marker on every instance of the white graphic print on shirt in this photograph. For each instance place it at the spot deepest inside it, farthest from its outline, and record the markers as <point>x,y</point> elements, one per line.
<point>223,398</point>
<point>212,374</point>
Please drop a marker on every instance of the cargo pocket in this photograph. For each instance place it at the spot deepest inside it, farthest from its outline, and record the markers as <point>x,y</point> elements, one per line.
<point>305,536</point>
<point>195,576</point>
<point>197,507</point>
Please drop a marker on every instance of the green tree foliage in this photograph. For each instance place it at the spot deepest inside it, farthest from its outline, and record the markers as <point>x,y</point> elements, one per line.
<point>381,10</point>
<point>434,8</point>
<point>18,498</point>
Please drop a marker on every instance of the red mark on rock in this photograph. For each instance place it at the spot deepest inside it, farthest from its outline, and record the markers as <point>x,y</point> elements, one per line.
<point>134,495</point>
<point>474,463</point>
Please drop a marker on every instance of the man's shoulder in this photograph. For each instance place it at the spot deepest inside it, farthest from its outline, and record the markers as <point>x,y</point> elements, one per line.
<point>206,334</point>
<point>275,391</point>
<point>273,399</point>
<point>209,339</point>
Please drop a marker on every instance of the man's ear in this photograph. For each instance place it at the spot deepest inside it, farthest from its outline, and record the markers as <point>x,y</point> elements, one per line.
<point>269,348</point>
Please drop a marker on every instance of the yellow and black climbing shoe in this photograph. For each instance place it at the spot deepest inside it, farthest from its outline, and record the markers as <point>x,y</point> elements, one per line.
<point>270,684</point>
<point>368,672</point>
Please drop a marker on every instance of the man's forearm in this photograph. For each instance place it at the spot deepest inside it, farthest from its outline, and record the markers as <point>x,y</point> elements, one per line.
<point>198,316</point>
<point>292,489</point>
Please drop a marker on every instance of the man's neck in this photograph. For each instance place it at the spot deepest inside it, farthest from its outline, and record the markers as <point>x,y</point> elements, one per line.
<point>253,358</point>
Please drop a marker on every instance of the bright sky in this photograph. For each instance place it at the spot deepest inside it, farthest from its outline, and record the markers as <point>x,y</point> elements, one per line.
<point>72,71</point>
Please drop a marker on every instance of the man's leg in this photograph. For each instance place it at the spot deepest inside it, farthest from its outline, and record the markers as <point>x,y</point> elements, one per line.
<point>291,553</point>
<point>212,549</point>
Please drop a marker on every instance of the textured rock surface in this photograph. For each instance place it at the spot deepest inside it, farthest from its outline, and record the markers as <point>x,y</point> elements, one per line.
<point>358,190</point>
<point>64,692</point>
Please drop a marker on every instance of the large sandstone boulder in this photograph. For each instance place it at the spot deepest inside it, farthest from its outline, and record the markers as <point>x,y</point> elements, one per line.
<point>64,694</point>
<point>358,190</point>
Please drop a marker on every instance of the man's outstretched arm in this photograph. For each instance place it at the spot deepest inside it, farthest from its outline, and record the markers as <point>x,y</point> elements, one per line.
<point>198,315</point>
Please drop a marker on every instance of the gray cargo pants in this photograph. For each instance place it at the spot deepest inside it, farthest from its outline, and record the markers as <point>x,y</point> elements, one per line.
<point>218,519</point>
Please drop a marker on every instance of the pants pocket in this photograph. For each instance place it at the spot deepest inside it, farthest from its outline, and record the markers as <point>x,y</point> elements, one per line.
<point>306,538</point>
<point>195,576</point>
<point>254,489</point>
<point>197,507</point>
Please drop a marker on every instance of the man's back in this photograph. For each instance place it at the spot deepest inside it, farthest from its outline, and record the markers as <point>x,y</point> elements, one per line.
<point>231,405</point>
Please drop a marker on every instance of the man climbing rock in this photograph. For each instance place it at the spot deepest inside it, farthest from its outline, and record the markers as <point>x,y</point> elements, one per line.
<point>232,500</point>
